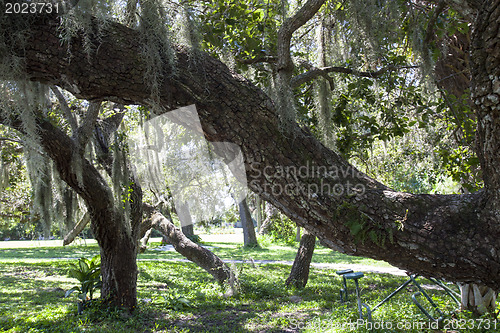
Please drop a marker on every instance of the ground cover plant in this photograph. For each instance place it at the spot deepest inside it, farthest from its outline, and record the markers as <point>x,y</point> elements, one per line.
<point>181,297</point>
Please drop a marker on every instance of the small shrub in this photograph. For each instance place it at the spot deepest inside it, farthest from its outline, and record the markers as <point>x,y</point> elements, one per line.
<point>88,272</point>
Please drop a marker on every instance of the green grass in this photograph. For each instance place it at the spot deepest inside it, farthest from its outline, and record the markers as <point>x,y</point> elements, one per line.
<point>227,251</point>
<point>180,297</point>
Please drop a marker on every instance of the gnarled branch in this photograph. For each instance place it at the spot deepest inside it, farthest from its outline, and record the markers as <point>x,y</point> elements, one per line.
<point>315,72</point>
<point>304,14</point>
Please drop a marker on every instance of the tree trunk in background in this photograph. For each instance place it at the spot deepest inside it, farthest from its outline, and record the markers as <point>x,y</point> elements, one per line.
<point>270,216</point>
<point>300,270</point>
<point>249,237</point>
<point>259,204</point>
<point>185,220</point>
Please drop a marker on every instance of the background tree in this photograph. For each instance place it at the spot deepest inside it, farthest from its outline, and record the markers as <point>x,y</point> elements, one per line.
<point>300,269</point>
<point>249,236</point>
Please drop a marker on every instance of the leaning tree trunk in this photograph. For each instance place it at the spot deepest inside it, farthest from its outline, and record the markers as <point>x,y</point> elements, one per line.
<point>192,251</point>
<point>249,237</point>
<point>115,234</point>
<point>452,237</point>
<point>300,270</point>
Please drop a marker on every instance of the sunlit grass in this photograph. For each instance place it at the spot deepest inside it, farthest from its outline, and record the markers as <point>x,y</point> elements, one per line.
<point>32,288</point>
<point>227,251</point>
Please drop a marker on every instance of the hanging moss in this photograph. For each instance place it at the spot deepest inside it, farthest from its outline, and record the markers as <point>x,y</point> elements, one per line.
<point>322,95</point>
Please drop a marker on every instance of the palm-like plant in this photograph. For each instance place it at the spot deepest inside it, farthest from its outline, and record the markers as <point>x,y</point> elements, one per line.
<point>88,272</point>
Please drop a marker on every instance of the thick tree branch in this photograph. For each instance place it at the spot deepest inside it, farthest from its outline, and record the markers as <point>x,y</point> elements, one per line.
<point>431,25</point>
<point>268,59</point>
<point>12,140</point>
<point>291,24</point>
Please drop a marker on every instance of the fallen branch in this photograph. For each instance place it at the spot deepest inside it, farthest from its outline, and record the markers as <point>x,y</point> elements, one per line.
<point>192,251</point>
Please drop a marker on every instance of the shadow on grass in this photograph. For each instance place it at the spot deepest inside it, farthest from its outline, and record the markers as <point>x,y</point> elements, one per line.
<point>68,252</point>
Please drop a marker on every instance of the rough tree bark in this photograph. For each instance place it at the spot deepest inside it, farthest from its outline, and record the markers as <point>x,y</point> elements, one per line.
<point>300,270</point>
<point>485,88</point>
<point>453,76</point>
<point>249,237</point>
<point>192,251</point>
<point>454,237</point>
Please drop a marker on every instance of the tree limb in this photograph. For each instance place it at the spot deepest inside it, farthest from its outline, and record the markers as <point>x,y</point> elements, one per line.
<point>12,140</point>
<point>84,132</point>
<point>431,25</point>
<point>70,117</point>
<point>291,24</point>
<point>268,59</point>
<point>70,237</point>
<point>192,251</point>
<point>315,72</point>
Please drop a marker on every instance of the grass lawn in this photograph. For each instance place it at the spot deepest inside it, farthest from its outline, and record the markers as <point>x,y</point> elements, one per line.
<point>225,250</point>
<point>180,297</point>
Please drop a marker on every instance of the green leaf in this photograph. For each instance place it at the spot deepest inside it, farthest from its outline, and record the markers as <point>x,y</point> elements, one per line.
<point>84,267</point>
<point>356,228</point>
<point>74,273</point>
<point>72,290</point>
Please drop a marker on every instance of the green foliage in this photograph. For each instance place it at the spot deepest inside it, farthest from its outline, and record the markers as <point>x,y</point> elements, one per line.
<point>88,272</point>
<point>245,29</point>
<point>31,302</point>
<point>283,230</point>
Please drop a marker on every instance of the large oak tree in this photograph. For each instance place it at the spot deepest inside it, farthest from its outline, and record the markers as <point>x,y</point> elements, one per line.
<point>455,237</point>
